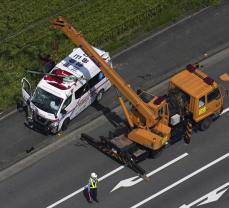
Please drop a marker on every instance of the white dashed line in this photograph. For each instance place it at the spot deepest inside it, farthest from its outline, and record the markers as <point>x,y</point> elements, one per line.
<point>225,111</point>
<point>132,181</point>
<point>81,189</point>
<point>181,181</point>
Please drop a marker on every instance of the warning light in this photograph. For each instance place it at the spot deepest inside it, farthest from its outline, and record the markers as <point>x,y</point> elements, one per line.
<point>159,100</point>
<point>190,68</point>
<point>208,80</point>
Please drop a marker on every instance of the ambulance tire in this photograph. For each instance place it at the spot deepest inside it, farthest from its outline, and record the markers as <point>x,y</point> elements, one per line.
<point>205,124</point>
<point>65,124</point>
<point>99,96</point>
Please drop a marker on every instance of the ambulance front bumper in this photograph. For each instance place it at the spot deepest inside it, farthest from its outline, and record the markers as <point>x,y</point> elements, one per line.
<point>44,125</point>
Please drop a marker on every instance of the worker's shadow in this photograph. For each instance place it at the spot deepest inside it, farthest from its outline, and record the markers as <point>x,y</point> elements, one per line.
<point>85,194</point>
<point>112,117</point>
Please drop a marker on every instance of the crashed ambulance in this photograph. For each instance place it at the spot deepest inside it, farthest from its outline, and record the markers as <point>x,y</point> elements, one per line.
<point>57,99</point>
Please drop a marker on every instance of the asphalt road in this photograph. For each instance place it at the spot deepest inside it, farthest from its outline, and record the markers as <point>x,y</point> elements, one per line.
<point>66,170</point>
<point>201,168</point>
<point>143,65</point>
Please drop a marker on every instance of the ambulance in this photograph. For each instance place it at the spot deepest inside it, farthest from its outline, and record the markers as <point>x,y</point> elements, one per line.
<point>72,85</point>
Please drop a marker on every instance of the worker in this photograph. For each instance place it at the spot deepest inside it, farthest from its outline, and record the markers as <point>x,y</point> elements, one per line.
<point>92,188</point>
<point>48,63</point>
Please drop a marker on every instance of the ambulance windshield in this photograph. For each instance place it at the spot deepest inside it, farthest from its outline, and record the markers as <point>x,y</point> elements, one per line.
<point>46,101</point>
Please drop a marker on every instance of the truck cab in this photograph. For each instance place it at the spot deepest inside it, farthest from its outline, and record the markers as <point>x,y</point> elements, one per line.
<point>196,94</point>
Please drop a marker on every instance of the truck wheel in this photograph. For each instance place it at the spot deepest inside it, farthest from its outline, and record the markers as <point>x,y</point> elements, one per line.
<point>99,95</point>
<point>205,124</point>
<point>65,124</point>
<point>187,139</point>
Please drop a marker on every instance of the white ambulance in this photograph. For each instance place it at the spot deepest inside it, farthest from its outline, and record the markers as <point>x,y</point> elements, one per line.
<point>57,100</point>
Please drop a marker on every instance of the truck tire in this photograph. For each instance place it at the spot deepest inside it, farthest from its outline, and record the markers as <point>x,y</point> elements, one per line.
<point>65,124</point>
<point>205,124</point>
<point>99,95</point>
<point>187,139</point>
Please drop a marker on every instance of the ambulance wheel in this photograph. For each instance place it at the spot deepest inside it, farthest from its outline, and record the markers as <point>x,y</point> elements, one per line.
<point>65,124</point>
<point>99,95</point>
<point>205,124</point>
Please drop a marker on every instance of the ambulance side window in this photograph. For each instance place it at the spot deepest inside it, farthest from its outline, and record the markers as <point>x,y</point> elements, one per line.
<point>79,92</point>
<point>82,90</point>
<point>86,88</point>
<point>67,102</point>
<point>96,79</point>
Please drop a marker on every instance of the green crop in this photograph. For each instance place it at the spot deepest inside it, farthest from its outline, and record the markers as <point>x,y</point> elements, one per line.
<point>25,31</point>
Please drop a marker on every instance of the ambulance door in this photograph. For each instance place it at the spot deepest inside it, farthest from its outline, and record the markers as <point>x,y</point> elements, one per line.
<point>97,86</point>
<point>82,97</point>
<point>26,89</point>
<point>67,108</point>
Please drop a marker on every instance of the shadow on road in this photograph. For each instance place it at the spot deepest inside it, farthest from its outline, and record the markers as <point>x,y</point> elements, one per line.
<point>112,117</point>
<point>85,194</point>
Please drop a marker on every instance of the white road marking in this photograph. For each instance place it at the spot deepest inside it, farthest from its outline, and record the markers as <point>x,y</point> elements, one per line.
<point>7,115</point>
<point>81,189</point>
<point>111,173</point>
<point>225,111</point>
<point>180,181</point>
<point>131,181</point>
<point>210,197</point>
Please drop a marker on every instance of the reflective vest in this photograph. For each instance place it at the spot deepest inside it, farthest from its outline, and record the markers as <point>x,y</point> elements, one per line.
<point>93,183</point>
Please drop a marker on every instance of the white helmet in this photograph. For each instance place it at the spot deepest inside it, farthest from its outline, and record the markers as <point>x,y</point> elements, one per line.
<point>93,175</point>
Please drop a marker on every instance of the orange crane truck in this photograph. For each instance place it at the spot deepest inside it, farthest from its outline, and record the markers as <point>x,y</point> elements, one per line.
<point>193,100</point>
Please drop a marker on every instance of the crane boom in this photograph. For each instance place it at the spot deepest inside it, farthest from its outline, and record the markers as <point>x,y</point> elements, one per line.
<point>125,89</point>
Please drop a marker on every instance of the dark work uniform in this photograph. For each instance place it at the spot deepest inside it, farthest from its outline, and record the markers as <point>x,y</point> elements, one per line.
<point>92,189</point>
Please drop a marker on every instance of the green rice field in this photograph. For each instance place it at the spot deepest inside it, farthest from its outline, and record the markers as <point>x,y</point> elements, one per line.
<point>26,33</point>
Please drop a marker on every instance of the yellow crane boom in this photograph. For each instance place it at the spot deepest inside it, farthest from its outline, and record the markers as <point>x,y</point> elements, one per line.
<point>125,89</point>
